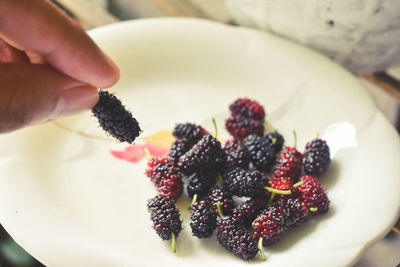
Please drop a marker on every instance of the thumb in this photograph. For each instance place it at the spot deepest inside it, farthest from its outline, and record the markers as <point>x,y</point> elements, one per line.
<point>37,93</point>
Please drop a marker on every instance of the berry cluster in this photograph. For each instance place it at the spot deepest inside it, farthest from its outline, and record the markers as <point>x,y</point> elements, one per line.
<point>296,196</point>
<point>278,183</point>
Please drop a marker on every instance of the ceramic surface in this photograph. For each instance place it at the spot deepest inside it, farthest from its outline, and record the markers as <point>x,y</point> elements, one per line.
<point>67,200</point>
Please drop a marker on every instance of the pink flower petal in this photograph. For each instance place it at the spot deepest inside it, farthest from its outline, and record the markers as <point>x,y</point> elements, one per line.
<point>157,151</point>
<point>135,153</point>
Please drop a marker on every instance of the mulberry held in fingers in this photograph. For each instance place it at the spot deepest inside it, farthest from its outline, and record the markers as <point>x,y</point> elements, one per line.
<point>313,195</point>
<point>115,119</point>
<point>247,108</point>
<point>245,183</point>
<point>203,219</point>
<point>205,154</point>
<point>236,154</point>
<point>165,217</point>
<point>189,131</point>
<point>240,127</point>
<point>261,153</point>
<point>232,235</point>
<point>316,158</point>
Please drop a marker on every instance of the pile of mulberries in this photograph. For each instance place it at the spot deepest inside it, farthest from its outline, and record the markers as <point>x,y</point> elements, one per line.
<point>248,191</point>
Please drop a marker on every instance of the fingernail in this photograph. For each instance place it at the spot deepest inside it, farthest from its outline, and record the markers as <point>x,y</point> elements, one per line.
<point>75,100</point>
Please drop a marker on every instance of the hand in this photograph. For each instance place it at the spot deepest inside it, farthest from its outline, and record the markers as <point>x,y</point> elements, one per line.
<point>49,66</point>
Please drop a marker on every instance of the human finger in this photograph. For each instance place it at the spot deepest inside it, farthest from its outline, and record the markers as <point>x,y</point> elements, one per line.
<point>60,42</point>
<point>32,93</point>
<point>11,54</point>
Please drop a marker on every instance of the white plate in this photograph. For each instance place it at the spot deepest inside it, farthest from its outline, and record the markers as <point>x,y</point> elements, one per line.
<point>69,202</point>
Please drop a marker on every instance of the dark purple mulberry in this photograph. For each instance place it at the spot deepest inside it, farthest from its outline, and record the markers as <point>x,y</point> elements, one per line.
<point>189,131</point>
<point>217,194</point>
<point>232,235</point>
<point>236,154</point>
<point>165,217</point>
<point>261,153</point>
<point>275,140</point>
<point>247,211</point>
<point>115,119</point>
<point>203,219</point>
<point>247,108</point>
<point>295,210</point>
<point>245,183</point>
<point>240,127</point>
<point>316,158</point>
<point>205,154</point>
<point>200,184</point>
<point>179,148</point>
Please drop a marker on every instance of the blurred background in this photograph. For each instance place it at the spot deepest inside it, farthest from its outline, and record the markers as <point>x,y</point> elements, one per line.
<point>361,35</point>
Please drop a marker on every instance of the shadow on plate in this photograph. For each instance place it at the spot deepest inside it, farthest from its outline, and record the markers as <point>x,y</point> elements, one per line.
<point>296,234</point>
<point>332,175</point>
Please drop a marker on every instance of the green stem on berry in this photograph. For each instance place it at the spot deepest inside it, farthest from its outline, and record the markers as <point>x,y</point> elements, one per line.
<point>272,197</point>
<point>220,180</point>
<point>267,124</point>
<point>295,139</point>
<point>274,141</point>
<point>299,183</point>
<point>314,209</point>
<point>148,154</point>
<point>220,213</point>
<point>277,191</point>
<point>261,249</point>
<point>215,127</point>
<point>194,200</point>
<point>317,135</point>
<point>173,242</point>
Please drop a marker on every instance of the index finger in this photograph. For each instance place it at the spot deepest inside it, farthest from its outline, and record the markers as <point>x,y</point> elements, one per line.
<point>39,26</point>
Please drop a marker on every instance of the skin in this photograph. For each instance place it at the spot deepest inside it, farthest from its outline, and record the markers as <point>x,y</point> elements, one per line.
<point>49,66</point>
